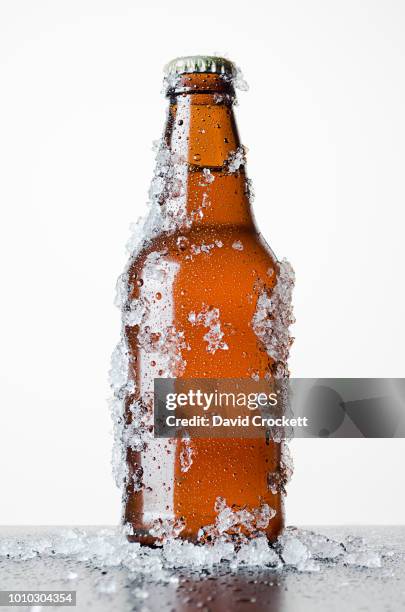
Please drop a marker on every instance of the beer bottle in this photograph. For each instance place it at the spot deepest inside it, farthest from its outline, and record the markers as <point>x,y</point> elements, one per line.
<point>203,296</point>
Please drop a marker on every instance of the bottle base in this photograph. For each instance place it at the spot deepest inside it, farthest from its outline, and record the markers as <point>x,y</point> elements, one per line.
<point>144,538</point>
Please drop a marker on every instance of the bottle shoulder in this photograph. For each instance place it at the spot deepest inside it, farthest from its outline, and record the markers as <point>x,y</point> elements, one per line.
<point>216,264</point>
<point>243,247</point>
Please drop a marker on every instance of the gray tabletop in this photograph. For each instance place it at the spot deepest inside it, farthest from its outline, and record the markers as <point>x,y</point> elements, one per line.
<point>352,568</point>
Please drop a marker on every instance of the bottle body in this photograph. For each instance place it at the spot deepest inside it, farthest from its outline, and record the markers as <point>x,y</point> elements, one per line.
<point>194,291</point>
<point>225,281</point>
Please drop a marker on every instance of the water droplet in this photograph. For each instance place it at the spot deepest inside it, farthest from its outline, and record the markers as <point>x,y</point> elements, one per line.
<point>197,157</point>
<point>139,282</point>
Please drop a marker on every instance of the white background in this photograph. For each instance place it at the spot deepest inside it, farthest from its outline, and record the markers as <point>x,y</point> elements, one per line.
<point>80,104</point>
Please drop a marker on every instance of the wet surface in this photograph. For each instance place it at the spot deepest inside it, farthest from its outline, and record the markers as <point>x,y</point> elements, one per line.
<point>108,586</point>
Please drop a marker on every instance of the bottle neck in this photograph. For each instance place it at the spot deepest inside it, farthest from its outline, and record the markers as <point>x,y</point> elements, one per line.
<point>202,137</point>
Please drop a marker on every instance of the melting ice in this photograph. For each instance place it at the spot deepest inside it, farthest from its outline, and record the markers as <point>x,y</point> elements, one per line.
<point>296,549</point>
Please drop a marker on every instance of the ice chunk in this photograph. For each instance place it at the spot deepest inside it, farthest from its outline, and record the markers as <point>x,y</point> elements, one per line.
<point>359,554</point>
<point>121,290</point>
<point>237,523</point>
<point>369,559</point>
<point>237,245</point>
<point>105,585</point>
<point>293,551</point>
<point>72,576</point>
<point>209,317</point>
<point>238,80</point>
<point>258,552</point>
<point>230,541</point>
<point>166,205</point>
<point>119,366</point>
<point>186,455</point>
<point>197,249</point>
<point>140,593</point>
<point>278,480</point>
<point>249,190</point>
<point>320,547</point>
<point>295,554</point>
<point>236,159</point>
<point>169,528</point>
<point>135,313</point>
<point>186,554</point>
<point>273,317</point>
<point>208,177</point>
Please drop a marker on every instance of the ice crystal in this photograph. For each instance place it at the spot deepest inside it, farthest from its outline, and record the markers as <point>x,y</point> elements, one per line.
<point>186,455</point>
<point>209,317</point>
<point>237,524</point>
<point>257,552</point>
<point>167,529</point>
<point>278,480</point>
<point>238,80</point>
<point>236,159</point>
<point>273,317</point>
<point>121,385</point>
<point>295,554</point>
<point>208,177</point>
<point>370,559</point>
<point>237,245</point>
<point>106,585</point>
<point>166,191</point>
<point>196,249</point>
<point>249,190</point>
<point>296,549</point>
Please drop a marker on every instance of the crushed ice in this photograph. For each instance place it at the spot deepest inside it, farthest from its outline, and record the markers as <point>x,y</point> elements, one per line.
<point>208,177</point>
<point>278,480</point>
<point>186,455</point>
<point>273,317</point>
<point>296,549</point>
<point>237,245</point>
<point>209,317</point>
<point>237,524</point>
<point>236,159</point>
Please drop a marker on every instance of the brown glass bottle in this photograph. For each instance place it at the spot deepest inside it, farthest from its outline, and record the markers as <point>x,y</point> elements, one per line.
<point>203,254</point>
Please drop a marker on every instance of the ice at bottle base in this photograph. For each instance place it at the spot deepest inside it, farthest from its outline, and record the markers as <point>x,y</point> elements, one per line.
<point>237,524</point>
<point>295,550</point>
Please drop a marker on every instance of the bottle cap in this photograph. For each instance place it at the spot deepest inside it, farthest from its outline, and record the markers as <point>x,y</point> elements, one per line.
<point>199,63</point>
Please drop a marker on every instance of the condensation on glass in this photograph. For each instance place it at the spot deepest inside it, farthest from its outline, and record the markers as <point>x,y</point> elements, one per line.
<point>203,296</point>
